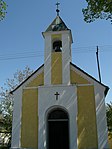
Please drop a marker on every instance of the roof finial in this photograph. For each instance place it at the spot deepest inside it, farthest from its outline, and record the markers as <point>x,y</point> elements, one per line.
<point>57,10</point>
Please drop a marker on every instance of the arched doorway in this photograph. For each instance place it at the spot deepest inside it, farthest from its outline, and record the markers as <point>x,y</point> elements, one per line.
<point>58,129</point>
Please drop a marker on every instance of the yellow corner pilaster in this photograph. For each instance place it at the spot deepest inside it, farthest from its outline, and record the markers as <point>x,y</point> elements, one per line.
<point>29,123</point>
<point>86,119</point>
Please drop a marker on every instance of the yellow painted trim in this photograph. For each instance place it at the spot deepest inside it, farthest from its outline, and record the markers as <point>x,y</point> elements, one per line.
<point>86,119</point>
<point>56,36</point>
<point>56,68</point>
<point>29,122</point>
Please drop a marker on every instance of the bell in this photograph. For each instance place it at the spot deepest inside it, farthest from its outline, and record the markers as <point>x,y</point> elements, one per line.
<point>57,45</point>
<point>57,49</point>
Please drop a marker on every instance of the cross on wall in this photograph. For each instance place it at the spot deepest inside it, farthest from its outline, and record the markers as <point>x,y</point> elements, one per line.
<point>57,95</point>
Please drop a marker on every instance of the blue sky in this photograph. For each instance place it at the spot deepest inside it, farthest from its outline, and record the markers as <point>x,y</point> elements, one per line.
<point>21,41</point>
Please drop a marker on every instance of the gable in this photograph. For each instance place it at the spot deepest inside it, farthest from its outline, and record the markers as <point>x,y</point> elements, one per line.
<point>79,76</point>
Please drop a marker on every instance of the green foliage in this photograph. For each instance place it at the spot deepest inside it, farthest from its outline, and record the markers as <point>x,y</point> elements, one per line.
<point>109,118</point>
<point>98,9</point>
<point>3,8</point>
<point>6,105</point>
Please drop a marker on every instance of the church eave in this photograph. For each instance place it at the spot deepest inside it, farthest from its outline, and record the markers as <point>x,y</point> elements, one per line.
<point>58,32</point>
<point>26,79</point>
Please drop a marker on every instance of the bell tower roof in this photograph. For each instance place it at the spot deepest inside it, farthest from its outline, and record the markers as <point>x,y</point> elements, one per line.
<point>57,25</point>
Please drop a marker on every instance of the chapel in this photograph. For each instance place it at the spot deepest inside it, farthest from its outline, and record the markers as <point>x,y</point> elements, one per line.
<point>60,106</point>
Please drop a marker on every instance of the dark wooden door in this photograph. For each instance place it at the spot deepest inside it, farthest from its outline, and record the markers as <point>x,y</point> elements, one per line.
<point>58,133</point>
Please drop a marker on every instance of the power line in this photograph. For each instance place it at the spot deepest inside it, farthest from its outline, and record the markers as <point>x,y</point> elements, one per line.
<point>73,48</point>
<point>31,54</point>
<point>19,53</point>
<point>22,57</point>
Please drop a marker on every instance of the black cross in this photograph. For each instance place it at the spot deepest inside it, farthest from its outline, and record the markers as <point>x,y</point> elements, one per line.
<point>57,4</point>
<point>56,94</point>
<point>57,10</point>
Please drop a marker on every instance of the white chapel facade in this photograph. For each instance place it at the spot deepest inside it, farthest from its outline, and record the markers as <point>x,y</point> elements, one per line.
<point>59,106</point>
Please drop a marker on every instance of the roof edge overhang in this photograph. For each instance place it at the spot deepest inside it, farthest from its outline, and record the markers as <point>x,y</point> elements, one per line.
<point>58,32</point>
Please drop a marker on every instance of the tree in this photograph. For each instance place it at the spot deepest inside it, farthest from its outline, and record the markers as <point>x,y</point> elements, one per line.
<point>109,118</point>
<point>3,7</point>
<point>6,105</point>
<point>98,9</point>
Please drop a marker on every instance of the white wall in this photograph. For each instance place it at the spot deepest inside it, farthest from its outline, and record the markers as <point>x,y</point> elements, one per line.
<point>16,125</point>
<point>66,57</point>
<point>102,129</point>
<point>47,60</point>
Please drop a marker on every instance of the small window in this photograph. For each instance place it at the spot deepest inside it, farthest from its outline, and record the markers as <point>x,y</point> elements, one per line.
<point>57,46</point>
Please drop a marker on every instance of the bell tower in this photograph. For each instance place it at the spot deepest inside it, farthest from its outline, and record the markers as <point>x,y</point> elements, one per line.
<point>57,102</point>
<point>57,52</point>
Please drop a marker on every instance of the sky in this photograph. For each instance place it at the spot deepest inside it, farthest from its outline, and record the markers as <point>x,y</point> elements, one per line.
<point>22,43</point>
